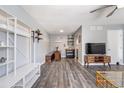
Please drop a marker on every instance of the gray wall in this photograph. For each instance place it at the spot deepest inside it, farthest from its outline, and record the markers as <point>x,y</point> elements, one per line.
<point>92,34</point>
<point>58,41</point>
<point>96,34</point>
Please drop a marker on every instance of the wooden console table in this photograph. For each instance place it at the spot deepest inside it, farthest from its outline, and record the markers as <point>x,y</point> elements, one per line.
<point>56,55</point>
<point>97,59</point>
<point>49,57</point>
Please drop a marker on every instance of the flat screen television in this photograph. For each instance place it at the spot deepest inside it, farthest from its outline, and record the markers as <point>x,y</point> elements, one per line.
<point>95,48</point>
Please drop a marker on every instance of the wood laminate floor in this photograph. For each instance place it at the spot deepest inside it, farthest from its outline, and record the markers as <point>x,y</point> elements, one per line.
<point>68,73</point>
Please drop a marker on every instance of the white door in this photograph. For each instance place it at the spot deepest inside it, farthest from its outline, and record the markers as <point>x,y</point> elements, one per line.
<point>115,45</point>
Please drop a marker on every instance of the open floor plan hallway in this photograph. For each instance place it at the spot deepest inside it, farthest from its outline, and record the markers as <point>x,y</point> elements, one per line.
<point>68,73</point>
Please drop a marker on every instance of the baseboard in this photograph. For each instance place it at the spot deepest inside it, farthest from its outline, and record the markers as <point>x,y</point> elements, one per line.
<point>98,64</point>
<point>40,63</point>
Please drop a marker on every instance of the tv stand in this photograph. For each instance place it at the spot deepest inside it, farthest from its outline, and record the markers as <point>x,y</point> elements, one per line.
<point>97,58</point>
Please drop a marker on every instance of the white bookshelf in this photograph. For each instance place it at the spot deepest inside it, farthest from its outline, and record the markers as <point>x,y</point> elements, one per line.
<point>21,73</point>
<point>13,75</point>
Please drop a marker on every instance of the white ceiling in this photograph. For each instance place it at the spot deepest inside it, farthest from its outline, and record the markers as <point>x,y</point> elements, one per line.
<point>69,18</point>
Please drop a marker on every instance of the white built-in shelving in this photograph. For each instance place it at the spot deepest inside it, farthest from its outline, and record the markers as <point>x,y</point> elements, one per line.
<point>12,80</point>
<point>70,41</point>
<point>12,72</point>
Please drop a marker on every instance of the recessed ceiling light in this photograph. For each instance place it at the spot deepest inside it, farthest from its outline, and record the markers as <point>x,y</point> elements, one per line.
<point>61,31</point>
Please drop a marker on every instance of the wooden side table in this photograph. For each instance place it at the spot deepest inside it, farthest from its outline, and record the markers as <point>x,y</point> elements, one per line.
<point>57,55</point>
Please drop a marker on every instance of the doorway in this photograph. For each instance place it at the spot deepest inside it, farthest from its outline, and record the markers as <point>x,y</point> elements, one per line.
<point>115,45</point>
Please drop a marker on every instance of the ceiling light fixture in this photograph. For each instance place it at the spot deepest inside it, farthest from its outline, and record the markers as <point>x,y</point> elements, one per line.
<point>115,8</point>
<point>61,31</point>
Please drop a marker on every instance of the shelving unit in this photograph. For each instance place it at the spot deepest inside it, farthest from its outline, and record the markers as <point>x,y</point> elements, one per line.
<point>12,80</point>
<point>70,41</point>
<point>14,73</point>
<point>5,33</point>
<point>70,53</point>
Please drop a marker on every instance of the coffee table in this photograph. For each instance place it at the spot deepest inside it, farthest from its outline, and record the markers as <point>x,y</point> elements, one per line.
<point>110,79</point>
